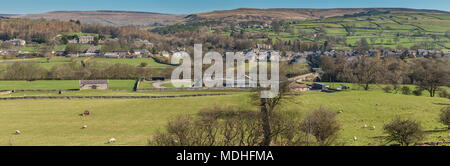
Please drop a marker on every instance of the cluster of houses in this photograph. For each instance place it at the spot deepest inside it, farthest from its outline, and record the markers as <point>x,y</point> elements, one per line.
<point>301,57</point>
<point>382,53</point>
<point>135,53</point>
<point>15,42</point>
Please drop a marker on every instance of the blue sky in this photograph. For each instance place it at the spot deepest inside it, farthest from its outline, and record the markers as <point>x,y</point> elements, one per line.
<point>195,6</point>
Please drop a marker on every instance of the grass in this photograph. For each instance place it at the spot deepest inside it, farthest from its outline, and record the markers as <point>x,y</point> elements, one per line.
<point>65,60</point>
<point>130,121</point>
<point>133,121</point>
<point>39,85</point>
<point>375,108</point>
<point>111,93</point>
<point>59,85</point>
<point>41,61</point>
<point>135,61</point>
<point>384,28</point>
<point>121,84</point>
<point>146,85</point>
<point>169,85</point>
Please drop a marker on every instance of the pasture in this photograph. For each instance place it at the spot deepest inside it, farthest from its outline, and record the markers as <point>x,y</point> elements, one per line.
<point>48,64</point>
<point>59,85</point>
<point>391,30</point>
<point>133,121</point>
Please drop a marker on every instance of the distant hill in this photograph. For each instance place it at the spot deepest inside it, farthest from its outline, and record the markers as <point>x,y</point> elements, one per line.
<point>114,18</point>
<point>7,15</point>
<point>250,14</point>
<point>121,18</point>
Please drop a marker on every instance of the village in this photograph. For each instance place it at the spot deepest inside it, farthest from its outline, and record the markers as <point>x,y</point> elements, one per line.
<point>90,50</point>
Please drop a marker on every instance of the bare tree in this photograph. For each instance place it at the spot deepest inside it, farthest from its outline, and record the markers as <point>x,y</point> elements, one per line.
<point>322,124</point>
<point>363,70</point>
<point>405,132</point>
<point>430,74</point>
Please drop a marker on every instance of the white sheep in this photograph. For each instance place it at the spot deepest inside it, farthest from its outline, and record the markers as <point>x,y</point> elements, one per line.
<point>17,132</point>
<point>84,126</point>
<point>354,138</point>
<point>112,140</point>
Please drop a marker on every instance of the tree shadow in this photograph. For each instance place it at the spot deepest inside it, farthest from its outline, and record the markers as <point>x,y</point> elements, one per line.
<point>437,130</point>
<point>442,103</point>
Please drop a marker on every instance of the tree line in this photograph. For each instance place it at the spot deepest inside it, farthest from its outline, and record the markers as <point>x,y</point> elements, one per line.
<point>429,73</point>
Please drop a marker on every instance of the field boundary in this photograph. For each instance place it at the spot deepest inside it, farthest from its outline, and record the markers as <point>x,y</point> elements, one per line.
<point>176,89</point>
<point>107,97</point>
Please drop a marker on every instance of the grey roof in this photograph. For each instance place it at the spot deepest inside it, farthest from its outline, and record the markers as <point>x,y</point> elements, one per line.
<point>93,81</point>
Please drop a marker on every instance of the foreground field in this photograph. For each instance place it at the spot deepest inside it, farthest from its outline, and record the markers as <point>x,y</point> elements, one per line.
<point>133,121</point>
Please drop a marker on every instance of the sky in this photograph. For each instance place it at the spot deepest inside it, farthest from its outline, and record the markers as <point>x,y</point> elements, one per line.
<point>197,6</point>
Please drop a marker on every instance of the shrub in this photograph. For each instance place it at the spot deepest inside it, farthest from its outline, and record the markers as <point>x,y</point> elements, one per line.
<point>405,132</point>
<point>396,88</point>
<point>387,89</point>
<point>322,124</point>
<point>143,64</point>
<point>227,126</point>
<point>445,117</point>
<point>406,90</point>
<point>443,93</point>
<point>418,92</point>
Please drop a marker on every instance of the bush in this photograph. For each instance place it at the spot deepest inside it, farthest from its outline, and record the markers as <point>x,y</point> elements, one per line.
<point>418,92</point>
<point>443,93</point>
<point>387,89</point>
<point>396,88</point>
<point>25,71</point>
<point>143,64</point>
<point>445,117</point>
<point>227,126</point>
<point>405,132</point>
<point>322,124</point>
<point>406,90</point>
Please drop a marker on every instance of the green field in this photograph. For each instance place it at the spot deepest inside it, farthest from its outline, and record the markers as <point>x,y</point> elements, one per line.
<point>133,121</point>
<point>59,85</point>
<point>66,60</point>
<point>134,62</point>
<point>390,30</point>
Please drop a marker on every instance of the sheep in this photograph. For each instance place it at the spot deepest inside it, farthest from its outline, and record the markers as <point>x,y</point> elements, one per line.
<point>112,140</point>
<point>84,126</point>
<point>17,132</point>
<point>354,138</point>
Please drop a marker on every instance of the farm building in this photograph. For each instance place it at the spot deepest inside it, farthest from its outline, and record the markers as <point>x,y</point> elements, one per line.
<point>111,55</point>
<point>92,51</point>
<point>93,84</point>
<point>17,42</point>
<point>298,87</point>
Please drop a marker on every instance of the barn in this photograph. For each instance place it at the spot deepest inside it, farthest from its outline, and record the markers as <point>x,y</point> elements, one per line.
<point>93,84</point>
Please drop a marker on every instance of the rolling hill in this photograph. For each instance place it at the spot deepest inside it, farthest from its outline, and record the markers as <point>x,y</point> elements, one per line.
<point>114,18</point>
<point>250,14</point>
<point>121,18</point>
